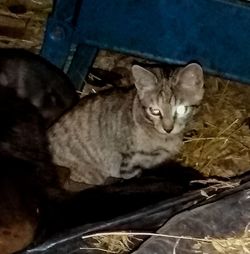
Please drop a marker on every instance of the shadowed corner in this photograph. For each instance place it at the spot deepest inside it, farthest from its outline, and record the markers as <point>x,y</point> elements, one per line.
<point>120,197</point>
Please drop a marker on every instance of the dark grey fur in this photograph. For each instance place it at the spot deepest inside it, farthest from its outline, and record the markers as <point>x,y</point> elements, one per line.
<point>23,137</point>
<point>27,176</point>
<point>34,78</point>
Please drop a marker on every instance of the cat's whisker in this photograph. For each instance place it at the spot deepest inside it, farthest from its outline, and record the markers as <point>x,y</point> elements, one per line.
<point>209,150</point>
<point>204,139</point>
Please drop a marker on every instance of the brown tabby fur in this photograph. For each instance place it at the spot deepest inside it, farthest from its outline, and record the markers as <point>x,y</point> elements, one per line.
<point>117,133</point>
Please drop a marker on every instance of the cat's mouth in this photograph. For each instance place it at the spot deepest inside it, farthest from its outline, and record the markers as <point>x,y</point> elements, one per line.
<point>175,130</point>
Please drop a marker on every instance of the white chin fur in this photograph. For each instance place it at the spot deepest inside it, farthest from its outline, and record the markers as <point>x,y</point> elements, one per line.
<point>161,130</point>
<point>176,130</point>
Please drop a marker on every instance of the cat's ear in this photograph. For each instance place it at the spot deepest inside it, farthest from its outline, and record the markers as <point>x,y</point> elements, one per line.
<point>191,77</point>
<point>145,80</point>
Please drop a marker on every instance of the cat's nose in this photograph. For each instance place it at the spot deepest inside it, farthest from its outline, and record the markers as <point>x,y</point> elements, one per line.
<point>168,128</point>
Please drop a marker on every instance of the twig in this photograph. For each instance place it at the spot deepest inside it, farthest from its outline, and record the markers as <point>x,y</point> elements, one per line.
<point>143,234</point>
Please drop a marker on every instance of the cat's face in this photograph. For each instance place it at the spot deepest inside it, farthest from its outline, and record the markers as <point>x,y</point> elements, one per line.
<point>169,103</point>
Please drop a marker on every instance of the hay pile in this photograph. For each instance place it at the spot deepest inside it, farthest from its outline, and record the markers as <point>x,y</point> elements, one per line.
<point>123,242</point>
<point>232,245</point>
<point>22,23</point>
<point>117,242</point>
<point>217,141</point>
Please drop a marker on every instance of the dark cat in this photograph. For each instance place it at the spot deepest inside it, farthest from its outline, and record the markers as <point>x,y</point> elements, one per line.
<point>26,173</point>
<point>22,129</point>
<point>20,203</point>
<point>34,78</point>
<point>118,132</point>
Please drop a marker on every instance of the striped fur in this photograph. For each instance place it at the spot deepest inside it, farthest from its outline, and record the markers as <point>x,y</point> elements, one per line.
<point>113,134</point>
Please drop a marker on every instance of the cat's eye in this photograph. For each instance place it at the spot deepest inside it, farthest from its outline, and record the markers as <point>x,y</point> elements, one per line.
<point>155,111</point>
<point>182,110</point>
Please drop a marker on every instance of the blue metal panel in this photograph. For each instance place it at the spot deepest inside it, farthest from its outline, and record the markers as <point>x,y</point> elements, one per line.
<point>57,42</point>
<point>214,32</point>
<point>59,32</point>
<point>78,70</point>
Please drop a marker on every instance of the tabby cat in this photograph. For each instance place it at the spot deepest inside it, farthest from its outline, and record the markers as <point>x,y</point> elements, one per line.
<point>116,133</point>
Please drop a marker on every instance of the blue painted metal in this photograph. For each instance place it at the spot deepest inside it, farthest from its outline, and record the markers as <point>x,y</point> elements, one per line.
<point>57,42</point>
<point>78,70</point>
<point>215,33</point>
<point>59,32</point>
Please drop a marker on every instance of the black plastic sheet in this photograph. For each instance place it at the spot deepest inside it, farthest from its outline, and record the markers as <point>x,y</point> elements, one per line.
<point>191,213</point>
<point>224,218</point>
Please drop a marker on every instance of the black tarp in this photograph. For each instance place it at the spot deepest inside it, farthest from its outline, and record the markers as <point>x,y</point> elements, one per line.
<point>191,213</point>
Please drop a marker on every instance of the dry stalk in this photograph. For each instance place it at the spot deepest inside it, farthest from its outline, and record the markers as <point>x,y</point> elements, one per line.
<point>233,245</point>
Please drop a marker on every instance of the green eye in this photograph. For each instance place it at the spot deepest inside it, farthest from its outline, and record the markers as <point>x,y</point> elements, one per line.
<point>155,111</point>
